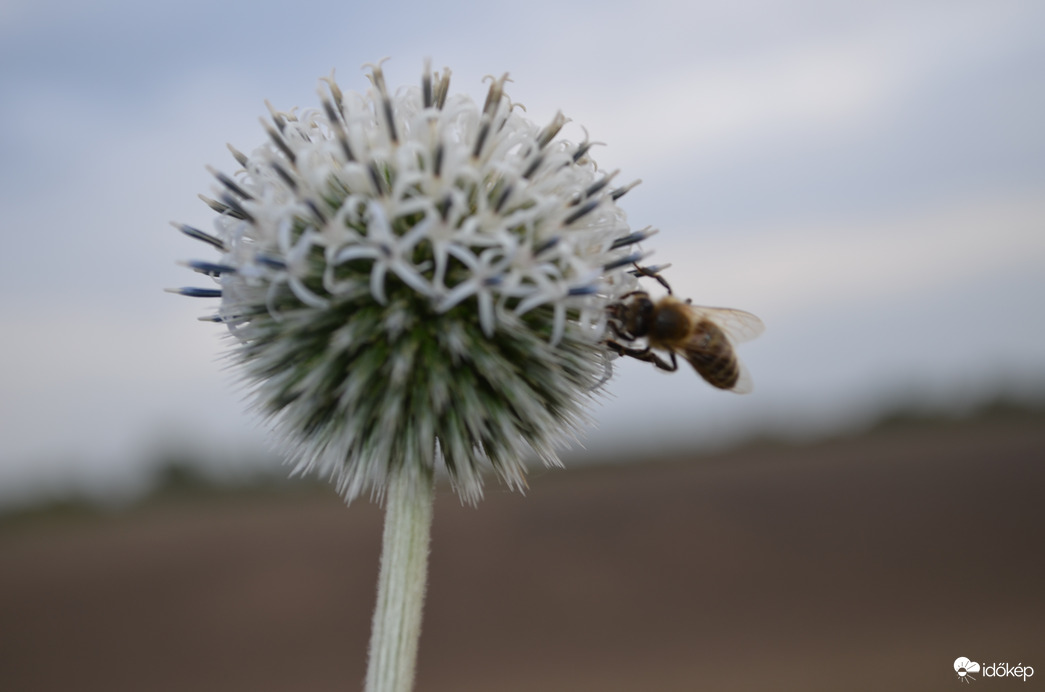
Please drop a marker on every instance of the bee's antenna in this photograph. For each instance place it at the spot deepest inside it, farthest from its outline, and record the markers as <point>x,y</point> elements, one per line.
<point>654,273</point>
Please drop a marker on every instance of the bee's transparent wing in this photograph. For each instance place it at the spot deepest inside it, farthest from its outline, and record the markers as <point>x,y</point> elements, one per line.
<point>744,385</point>
<point>738,326</point>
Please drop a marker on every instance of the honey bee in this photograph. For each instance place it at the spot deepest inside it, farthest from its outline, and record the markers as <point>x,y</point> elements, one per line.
<point>703,336</point>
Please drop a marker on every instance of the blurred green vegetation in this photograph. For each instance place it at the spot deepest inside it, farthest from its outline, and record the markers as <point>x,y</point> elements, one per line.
<point>997,409</point>
<point>181,477</point>
<point>176,477</point>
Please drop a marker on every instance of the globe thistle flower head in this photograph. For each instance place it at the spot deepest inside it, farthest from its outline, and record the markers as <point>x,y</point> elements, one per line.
<point>414,279</point>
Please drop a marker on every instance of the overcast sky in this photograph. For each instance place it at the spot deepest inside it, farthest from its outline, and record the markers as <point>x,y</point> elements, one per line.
<point>868,177</point>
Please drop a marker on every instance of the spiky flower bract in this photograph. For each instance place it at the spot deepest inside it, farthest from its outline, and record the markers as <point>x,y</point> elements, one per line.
<point>412,277</point>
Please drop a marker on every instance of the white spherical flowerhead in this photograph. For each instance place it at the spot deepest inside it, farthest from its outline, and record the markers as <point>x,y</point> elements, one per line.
<point>414,280</point>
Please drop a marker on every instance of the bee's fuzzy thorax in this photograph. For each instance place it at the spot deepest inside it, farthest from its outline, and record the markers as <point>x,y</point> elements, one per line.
<point>673,323</point>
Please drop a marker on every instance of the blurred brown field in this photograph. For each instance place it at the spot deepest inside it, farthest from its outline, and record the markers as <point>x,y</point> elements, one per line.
<point>865,563</point>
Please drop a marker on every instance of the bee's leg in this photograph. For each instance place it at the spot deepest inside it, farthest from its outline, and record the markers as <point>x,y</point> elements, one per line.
<point>652,273</point>
<point>645,354</point>
<point>619,333</point>
<point>651,357</point>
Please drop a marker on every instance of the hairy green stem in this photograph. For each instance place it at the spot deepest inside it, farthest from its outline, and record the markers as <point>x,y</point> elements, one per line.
<point>396,627</point>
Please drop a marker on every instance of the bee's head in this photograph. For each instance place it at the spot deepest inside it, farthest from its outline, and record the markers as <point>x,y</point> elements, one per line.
<point>635,315</point>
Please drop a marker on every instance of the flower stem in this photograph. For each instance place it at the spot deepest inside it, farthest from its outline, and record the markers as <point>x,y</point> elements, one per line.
<point>396,627</point>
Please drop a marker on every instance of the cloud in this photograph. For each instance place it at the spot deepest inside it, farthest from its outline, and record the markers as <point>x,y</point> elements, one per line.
<point>814,77</point>
<point>116,119</point>
<point>787,266</point>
